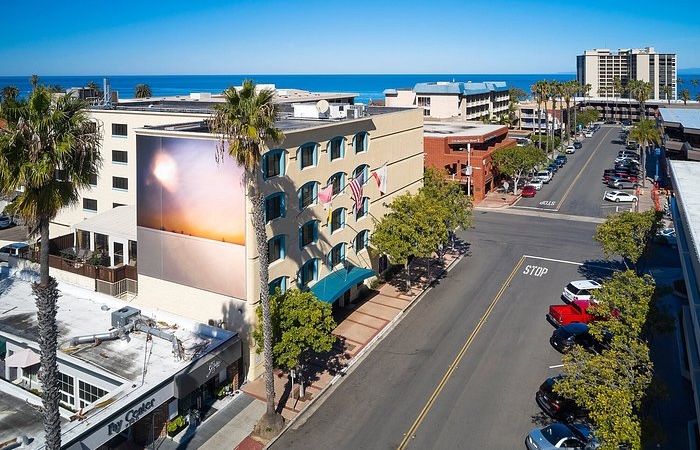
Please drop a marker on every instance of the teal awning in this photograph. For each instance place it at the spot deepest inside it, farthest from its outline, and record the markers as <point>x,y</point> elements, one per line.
<point>332,286</point>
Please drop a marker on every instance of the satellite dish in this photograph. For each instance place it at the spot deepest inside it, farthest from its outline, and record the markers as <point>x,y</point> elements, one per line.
<point>322,106</point>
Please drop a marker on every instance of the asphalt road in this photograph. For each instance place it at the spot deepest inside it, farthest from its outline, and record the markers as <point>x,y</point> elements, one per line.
<point>577,188</point>
<point>461,368</point>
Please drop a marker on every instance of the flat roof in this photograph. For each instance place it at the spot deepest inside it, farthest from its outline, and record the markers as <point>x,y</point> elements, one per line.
<point>685,183</point>
<point>688,118</point>
<point>135,365</point>
<point>117,222</point>
<point>460,128</point>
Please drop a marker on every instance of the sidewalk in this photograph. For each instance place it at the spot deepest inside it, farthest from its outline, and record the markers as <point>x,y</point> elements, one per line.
<point>360,325</point>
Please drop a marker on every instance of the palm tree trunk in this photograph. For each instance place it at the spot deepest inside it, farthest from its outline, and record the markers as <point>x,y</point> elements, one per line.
<point>272,422</point>
<point>46,294</point>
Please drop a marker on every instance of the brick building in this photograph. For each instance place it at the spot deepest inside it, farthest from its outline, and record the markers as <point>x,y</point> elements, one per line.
<point>459,146</point>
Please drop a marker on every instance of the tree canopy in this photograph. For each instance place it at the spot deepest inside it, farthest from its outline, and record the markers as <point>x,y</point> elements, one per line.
<point>438,189</point>
<point>627,234</point>
<point>516,162</point>
<point>301,324</point>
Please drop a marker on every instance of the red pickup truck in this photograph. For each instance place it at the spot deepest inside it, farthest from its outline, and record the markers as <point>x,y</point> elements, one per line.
<point>573,312</point>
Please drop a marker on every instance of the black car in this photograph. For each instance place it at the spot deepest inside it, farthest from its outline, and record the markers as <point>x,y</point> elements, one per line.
<point>577,145</point>
<point>553,167</point>
<point>561,160</point>
<point>556,406</point>
<point>572,334</point>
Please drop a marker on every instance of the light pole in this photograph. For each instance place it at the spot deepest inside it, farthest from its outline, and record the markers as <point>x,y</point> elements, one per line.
<point>469,169</point>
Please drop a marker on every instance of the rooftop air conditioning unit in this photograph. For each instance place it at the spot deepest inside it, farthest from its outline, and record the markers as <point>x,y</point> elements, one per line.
<point>124,315</point>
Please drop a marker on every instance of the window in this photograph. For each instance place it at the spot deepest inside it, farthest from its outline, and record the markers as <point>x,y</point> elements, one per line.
<point>337,219</point>
<point>336,148</point>
<point>308,194</point>
<point>275,248</point>
<point>423,101</point>
<point>336,255</point>
<point>278,283</point>
<point>61,175</point>
<point>101,242</point>
<point>119,129</point>
<point>93,179</point>
<point>360,142</point>
<point>308,272</point>
<point>120,157</point>
<point>274,206</point>
<point>364,209</point>
<point>364,169</point>
<point>116,205</point>
<point>88,393</point>
<point>361,240</point>
<point>90,204</point>
<point>67,389</point>
<point>308,233</point>
<point>120,183</point>
<point>307,155</point>
<point>338,182</point>
<point>273,163</point>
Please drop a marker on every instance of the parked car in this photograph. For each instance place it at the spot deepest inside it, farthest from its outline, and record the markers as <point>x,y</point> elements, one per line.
<point>622,183</point>
<point>555,405</point>
<point>580,290</point>
<point>545,176</point>
<point>631,175</point>
<point>588,133</point>
<point>572,312</point>
<point>563,159</point>
<point>627,160</point>
<point>577,145</point>
<point>575,436</point>
<point>630,153</point>
<point>619,196</point>
<point>566,336</point>
<point>631,144</point>
<point>528,191</point>
<point>667,236</point>
<point>553,167</point>
<point>536,183</point>
<point>570,149</point>
<point>16,249</point>
<point>6,221</point>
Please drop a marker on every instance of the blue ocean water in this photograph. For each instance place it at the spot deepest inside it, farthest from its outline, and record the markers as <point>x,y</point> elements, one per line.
<point>368,87</point>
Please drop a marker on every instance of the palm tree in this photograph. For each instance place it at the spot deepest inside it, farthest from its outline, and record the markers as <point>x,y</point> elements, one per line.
<point>667,90</point>
<point>617,93</point>
<point>570,88</point>
<point>645,132</point>
<point>142,91</point>
<point>50,151</point>
<point>10,93</point>
<point>34,80</point>
<point>246,123</point>
<point>685,96</point>
<point>697,97</point>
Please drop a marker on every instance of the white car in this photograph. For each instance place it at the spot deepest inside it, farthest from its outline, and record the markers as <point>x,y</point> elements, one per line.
<point>588,134</point>
<point>536,182</point>
<point>570,149</point>
<point>580,290</point>
<point>620,196</point>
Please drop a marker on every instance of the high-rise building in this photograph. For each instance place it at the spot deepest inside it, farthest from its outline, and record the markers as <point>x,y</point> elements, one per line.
<point>600,67</point>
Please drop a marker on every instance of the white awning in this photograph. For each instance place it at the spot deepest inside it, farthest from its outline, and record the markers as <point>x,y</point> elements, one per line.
<point>23,358</point>
<point>119,222</point>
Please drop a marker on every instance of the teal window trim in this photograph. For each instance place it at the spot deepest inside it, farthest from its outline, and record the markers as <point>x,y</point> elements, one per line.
<point>337,220</point>
<point>364,168</point>
<point>303,149</point>
<point>341,182</point>
<point>363,138</point>
<point>282,205</point>
<point>282,246</point>
<point>340,141</point>
<point>314,237</point>
<point>313,185</point>
<point>340,250</point>
<point>280,282</point>
<point>365,209</point>
<point>281,163</point>
<point>308,272</point>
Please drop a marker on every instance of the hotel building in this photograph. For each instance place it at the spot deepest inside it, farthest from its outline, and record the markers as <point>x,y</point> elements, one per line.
<point>599,67</point>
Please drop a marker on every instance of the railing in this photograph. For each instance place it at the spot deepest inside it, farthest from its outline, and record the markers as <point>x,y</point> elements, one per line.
<point>109,280</point>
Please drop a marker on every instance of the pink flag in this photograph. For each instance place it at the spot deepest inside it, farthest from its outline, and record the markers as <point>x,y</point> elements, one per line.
<point>326,195</point>
<point>380,176</point>
<point>356,187</point>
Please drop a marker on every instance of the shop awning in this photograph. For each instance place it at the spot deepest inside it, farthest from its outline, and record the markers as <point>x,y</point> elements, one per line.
<point>332,286</point>
<point>22,358</point>
<point>207,366</point>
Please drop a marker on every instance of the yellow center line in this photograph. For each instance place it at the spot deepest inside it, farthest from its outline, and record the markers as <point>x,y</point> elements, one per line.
<point>411,432</point>
<point>571,186</point>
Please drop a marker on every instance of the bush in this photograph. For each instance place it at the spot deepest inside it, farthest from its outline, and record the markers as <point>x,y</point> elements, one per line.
<point>175,425</point>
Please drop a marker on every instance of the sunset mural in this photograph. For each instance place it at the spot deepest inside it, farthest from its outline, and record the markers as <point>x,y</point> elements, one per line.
<point>191,215</point>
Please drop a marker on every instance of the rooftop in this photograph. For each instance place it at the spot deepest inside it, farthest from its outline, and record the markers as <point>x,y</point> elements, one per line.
<point>135,364</point>
<point>688,118</point>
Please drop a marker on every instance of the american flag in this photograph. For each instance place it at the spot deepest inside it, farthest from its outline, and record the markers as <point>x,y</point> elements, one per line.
<point>356,187</point>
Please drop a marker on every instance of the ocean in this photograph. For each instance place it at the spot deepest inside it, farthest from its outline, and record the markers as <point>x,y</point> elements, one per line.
<point>368,87</point>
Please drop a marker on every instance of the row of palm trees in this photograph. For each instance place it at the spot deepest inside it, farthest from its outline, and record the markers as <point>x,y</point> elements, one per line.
<point>564,91</point>
<point>49,152</point>
<point>12,92</point>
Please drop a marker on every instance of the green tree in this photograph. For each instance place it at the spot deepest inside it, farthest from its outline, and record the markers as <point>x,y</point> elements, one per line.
<point>415,227</point>
<point>301,325</point>
<point>684,95</point>
<point>34,81</point>
<point>458,205</point>
<point>517,162</point>
<point>587,117</point>
<point>627,234</point>
<point>49,152</point>
<point>246,123</point>
<point>142,91</point>
<point>645,132</point>
<point>10,93</point>
<point>93,85</point>
<point>667,90</point>
<point>617,93</point>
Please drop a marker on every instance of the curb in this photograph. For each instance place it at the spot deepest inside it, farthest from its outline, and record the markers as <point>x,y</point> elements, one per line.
<point>370,345</point>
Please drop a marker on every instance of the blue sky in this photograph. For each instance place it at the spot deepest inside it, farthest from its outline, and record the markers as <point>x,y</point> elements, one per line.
<point>329,37</point>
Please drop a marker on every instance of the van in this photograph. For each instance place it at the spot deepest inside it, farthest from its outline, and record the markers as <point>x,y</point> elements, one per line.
<point>544,175</point>
<point>16,249</point>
